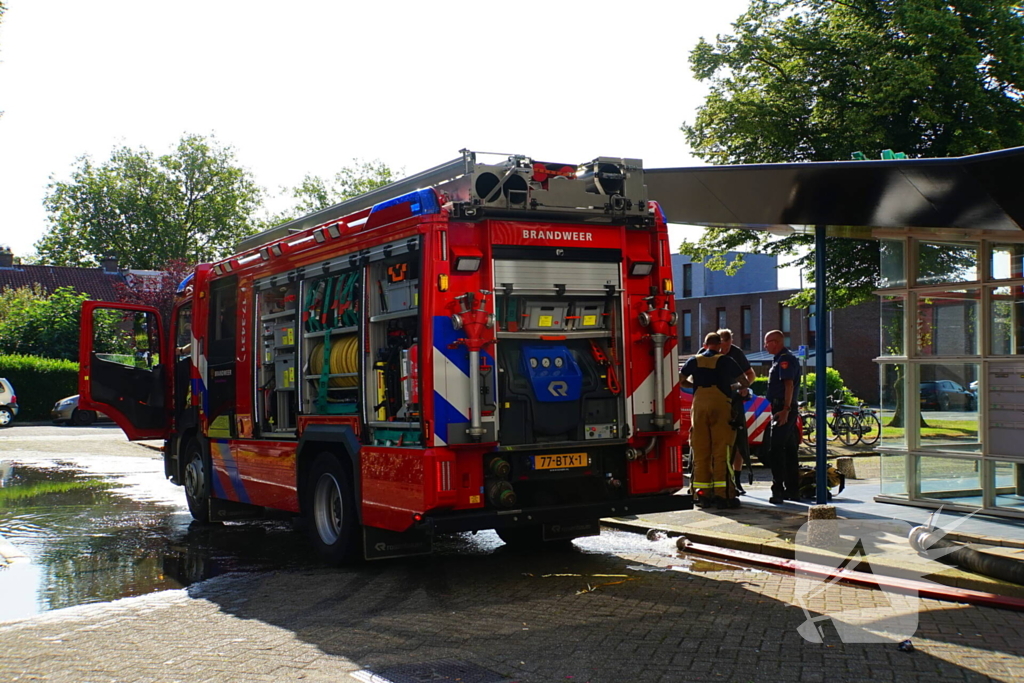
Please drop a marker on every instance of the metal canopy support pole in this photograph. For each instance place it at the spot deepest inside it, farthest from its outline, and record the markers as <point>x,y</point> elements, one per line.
<point>820,357</point>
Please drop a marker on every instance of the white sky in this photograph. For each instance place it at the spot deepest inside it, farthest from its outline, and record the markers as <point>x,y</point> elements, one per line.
<point>306,86</point>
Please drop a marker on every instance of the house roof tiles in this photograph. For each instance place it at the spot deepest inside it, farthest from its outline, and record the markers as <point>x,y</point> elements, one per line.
<point>95,282</point>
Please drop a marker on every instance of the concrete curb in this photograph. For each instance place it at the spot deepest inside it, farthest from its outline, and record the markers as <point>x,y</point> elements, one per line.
<point>949,577</point>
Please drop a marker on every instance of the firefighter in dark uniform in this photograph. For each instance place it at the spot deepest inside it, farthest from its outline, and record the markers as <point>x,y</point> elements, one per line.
<point>711,434</point>
<point>782,382</point>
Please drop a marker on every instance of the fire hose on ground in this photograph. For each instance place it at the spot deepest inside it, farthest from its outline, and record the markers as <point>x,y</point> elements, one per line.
<point>930,542</point>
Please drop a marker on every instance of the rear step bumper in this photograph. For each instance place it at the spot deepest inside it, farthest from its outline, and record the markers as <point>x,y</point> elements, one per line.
<point>450,522</point>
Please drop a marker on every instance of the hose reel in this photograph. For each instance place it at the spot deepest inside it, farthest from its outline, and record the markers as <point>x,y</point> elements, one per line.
<point>344,359</point>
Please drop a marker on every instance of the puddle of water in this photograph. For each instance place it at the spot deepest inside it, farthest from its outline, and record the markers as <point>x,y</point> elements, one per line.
<point>101,528</point>
<point>113,528</point>
<point>697,565</point>
<point>615,542</point>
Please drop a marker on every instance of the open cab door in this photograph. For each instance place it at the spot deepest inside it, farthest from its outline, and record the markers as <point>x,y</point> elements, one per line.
<point>122,367</point>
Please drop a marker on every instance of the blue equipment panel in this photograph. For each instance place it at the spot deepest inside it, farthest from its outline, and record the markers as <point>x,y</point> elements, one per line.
<point>553,372</point>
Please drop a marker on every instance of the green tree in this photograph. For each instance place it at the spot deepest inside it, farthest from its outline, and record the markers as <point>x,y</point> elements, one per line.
<point>315,193</point>
<point>37,324</point>
<point>192,204</point>
<point>816,80</point>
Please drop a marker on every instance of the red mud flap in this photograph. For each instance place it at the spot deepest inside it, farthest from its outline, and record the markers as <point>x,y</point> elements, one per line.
<point>920,588</point>
<point>566,531</point>
<point>381,544</point>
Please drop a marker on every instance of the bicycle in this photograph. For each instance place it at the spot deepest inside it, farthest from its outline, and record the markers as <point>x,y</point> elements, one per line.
<point>869,426</point>
<point>843,425</point>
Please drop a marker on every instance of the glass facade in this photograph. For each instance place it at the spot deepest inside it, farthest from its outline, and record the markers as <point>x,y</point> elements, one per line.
<point>893,315</point>
<point>951,368</point>
<point>941,263</point>
<point>950,479</point>
<point>894,474</point>
<point>947,322</point>
<point>1006,320</point>
<point>893,272</point>
<point>1008,484</point>
<point>949,409</point>
<point>1006,261</point>
<point>893,413</point>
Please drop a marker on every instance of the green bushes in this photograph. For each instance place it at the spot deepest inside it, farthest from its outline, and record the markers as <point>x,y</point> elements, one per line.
<point>39,383</point>
<point>833,381</point>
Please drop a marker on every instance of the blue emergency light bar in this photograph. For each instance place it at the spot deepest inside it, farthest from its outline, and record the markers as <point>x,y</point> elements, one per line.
<point>420,202</point>
<point>183,285</point>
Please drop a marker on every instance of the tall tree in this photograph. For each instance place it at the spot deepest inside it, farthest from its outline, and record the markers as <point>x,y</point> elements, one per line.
<point>192,204</point>
<point>816,80</point>
<point>315,192</point>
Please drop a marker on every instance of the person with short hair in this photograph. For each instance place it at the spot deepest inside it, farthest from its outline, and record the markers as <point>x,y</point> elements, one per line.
<point>782,382</point>
<point>711,435</point>
<point>741,451</point>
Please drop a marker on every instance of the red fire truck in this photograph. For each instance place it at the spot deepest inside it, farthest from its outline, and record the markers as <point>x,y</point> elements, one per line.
<point>479,346</point>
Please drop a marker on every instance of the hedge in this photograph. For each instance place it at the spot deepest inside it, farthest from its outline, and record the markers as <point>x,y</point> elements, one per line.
<point>833,381</point>
<point>38,383</point>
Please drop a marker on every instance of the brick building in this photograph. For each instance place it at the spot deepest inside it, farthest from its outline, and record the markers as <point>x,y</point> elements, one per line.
<point>750,314</point>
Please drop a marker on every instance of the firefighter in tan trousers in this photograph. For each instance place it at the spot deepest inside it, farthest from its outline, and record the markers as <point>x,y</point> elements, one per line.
<point>712,375</point>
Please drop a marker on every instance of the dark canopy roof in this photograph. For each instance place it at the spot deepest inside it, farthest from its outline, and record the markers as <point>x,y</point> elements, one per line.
<point>978,192</point>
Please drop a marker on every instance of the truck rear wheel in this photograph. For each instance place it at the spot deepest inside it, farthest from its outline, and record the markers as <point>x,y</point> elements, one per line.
<point>198,482</point>
<point>330,510</point>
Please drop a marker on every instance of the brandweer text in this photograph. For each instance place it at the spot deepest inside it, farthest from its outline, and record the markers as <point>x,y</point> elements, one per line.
<point>558,235</point>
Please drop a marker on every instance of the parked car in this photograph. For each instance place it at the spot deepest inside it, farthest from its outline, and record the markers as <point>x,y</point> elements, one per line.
<point>946,394</point>
<point>67,412</point>
<point>8,403</point>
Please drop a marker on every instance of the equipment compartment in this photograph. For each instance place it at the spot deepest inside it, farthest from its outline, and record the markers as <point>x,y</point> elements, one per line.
<point>276,396</point>
<point>330,321</point>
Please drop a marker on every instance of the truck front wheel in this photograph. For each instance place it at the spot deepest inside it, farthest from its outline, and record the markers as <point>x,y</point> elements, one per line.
<point>330,510</point>
<point>197,482</point>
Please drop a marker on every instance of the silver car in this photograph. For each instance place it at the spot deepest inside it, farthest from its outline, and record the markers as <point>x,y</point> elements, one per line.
<point>8,403</point>
<point>66,411</point>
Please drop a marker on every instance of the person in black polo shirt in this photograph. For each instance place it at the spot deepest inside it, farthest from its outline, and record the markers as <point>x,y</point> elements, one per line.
<point>711,435</point>
<point>741,451</point>
<point>782,382</point>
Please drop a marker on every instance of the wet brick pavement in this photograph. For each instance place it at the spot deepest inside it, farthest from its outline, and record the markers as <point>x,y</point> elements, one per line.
<point>508,613</point>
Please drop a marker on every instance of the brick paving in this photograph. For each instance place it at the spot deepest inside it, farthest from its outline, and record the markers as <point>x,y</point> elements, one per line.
<point>508,613</point>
